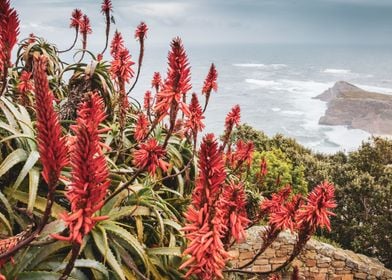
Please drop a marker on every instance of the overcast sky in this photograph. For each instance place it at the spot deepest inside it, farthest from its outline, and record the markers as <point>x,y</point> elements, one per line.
<point>221,21</point>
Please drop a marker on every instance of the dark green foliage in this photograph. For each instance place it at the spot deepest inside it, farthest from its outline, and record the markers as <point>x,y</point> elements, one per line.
<point>363,181</point>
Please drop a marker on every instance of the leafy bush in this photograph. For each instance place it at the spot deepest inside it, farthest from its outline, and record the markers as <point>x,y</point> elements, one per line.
<point>363,183</point>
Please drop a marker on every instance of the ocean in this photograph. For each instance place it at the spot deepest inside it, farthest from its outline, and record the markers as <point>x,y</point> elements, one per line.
<point>275,86</point>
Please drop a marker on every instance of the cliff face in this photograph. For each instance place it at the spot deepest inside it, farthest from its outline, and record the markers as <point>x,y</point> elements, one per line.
<point>357,108</point>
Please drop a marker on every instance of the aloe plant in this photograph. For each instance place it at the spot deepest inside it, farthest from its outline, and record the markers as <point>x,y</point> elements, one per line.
<point>94,186</point>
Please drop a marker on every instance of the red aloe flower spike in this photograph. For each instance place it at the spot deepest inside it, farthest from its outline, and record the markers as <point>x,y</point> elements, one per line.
<point>121,71</point>
<point>76,22</point>
<point>90,176</point>
<point>211,173</point>
<point>9,31</point>
<point>117,44</point>
<point>147,102</point>
<point>25,85</point>
<point>85,28</point>
<point>243,153</point>
<point>176,85</point>
<point>141,127</point>
<point>156,81</point>
<point>233,202</point>
<point>272,205</point>
<point>205,225</point>
<point>141,31</point>
<point>150,156</point>
<point>51,146</point>
<point>232,119</point>
<point>194,122</point>
<point>120,68</point>
<point>317,210</point>
<point>210,84</point>
<point>106,8</point>
<point>76,18</point>
<point>140,35</point>
<point>25,82</point>
<point>314,214</point>
<point>89,170</point>
<point>285,216</point>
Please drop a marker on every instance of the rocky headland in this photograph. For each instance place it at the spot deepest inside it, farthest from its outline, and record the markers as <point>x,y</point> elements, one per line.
<point>357,108</point>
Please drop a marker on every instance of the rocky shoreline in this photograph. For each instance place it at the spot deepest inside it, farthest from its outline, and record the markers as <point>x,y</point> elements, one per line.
<point>357,108</point>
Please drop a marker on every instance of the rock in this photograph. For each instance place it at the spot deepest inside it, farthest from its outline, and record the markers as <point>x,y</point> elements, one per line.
<point>357,108</point>
<point>317,261</point>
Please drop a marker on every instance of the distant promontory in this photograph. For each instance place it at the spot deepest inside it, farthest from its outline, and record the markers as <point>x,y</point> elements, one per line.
<point>357,108</point>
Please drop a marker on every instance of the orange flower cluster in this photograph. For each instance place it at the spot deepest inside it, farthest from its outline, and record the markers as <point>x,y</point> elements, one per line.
<point>293,214</point>
<point>121,71</point>
<point>76,19</point>
<point>141,31</point>
<point>204,222</point>
<point>117,44</point>
<point>232,119</point>
<point>90,173</point>
<point>9,31</point>
<point>216,213</point>
<point>141,127</point>
<point>156,81</point>
<point>233,203</point>
<point>317,210</point>
<point>85,28</point>
<point>149,157</point>
<point>25,83</point>
<point>147,101</point>
<point>242,154</point>
<point>177,83</point>
<point>106,7</point>
<point>194,122</point>
<point>51,145</point>
<point>210,84</point>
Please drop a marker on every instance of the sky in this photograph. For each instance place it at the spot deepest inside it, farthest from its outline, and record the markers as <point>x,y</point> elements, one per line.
<point>206,22</point>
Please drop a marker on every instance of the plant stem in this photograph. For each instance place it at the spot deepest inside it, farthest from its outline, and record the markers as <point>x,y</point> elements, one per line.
<point>71,262</point>
<point>73,44</point>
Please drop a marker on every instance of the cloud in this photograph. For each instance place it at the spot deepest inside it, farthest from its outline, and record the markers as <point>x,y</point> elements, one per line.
<point>161,9</point>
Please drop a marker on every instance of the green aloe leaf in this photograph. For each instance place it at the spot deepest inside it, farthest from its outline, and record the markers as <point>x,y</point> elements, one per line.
<point>30,162</point>
<point>17,156</point>
<point>121,212</point>
<point>4,220</point>
<point>173,251</point>
<point>33,188</point>
<point>99,240</point>
<point>86,263</point>
<point>40,202</point>
<point>40,275</point>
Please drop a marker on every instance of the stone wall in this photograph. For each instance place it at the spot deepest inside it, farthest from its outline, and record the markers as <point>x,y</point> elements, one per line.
<point>317,261</point>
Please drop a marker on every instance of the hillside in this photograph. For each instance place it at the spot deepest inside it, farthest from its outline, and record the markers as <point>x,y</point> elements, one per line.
<point>357,108</point>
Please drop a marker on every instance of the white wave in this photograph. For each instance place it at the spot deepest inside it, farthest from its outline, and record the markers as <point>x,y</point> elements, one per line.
<point>276,109</point>
<point>308,88</point>
<point>336,71</point>
<point>347,139</point>
<point>263,83</point>
<point>295,113</point>
<point>261,65</point>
